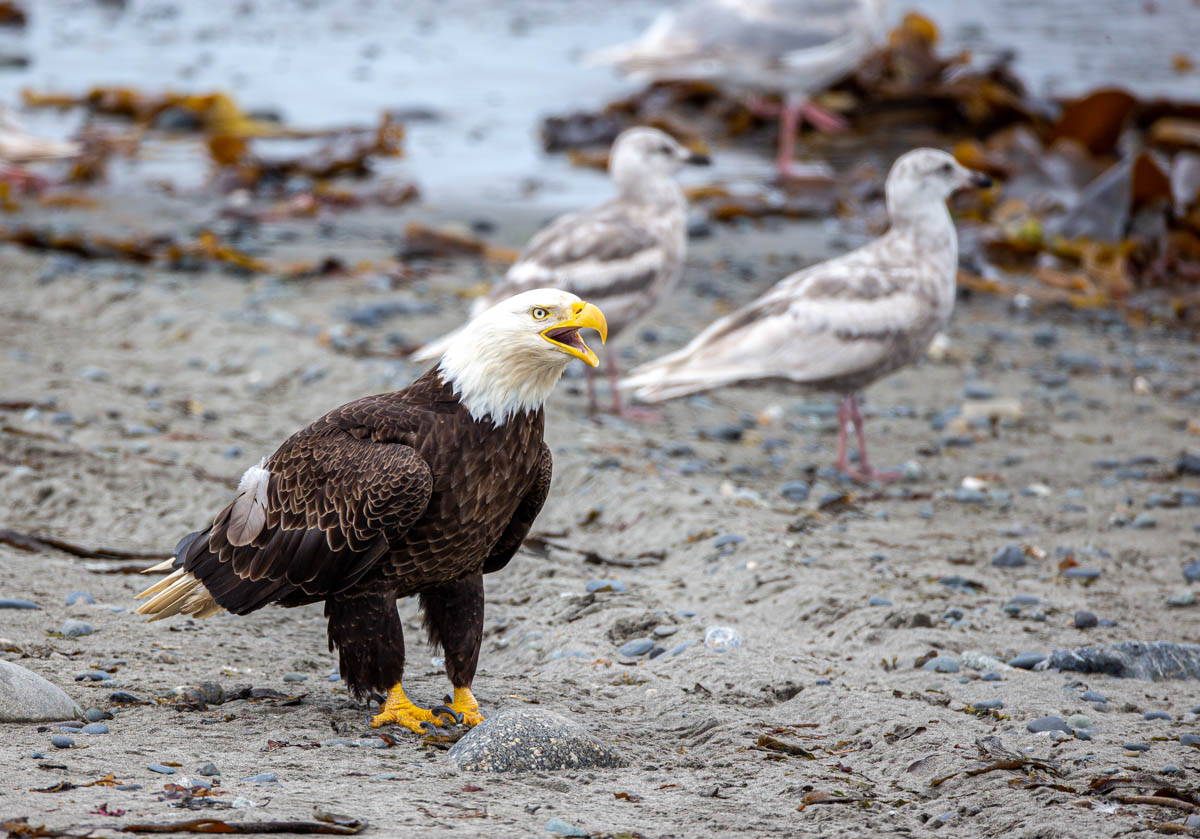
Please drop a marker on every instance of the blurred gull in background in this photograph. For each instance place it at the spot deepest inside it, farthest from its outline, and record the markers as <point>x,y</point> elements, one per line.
<point>795,47</point>
<point>19,147</point>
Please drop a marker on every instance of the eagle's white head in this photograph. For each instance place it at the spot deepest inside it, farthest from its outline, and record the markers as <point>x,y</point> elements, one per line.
<point>509,357</point>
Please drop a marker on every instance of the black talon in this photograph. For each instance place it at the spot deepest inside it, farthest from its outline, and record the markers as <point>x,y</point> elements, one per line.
<point>446,711</point>
<point>430,728</point>
<point>448,699</point>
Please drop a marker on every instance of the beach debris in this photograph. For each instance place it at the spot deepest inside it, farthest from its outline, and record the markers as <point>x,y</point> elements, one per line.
<point>1154,660</point>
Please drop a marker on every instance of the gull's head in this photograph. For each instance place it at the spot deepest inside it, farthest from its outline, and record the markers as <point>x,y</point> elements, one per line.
<point>925,178</point>
<point>646,155</point>
<point>509,357</point>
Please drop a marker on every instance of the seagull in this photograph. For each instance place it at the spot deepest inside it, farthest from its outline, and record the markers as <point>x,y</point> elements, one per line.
<point>625,254</point>
<point>842,324</point>
<point>798,47</point>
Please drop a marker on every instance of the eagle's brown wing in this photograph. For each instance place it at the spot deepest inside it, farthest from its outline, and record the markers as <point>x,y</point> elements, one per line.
<point>522,520</point>
<point>319,512</point>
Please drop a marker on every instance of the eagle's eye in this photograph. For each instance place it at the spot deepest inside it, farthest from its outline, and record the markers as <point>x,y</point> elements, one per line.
<point>539,313</point>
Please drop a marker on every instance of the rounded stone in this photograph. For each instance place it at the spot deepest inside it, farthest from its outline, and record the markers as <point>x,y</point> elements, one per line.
<point>79,597</point>
<point>160,769</point>
<point>1085,619</point>
<point>877,600</point>
<point>1094,696</point>
<point>562,828</point>
<point>95,728</point>
<point>1079,721</point>
<point>636,647</point>
<point>528,739</point>
<point>61,741</point>
<point>27,697</point>
<point>1026,660</point>
<point>73,628</point>
<point>796,491</point>
<point>96,715</point>
<point>941,664</point>
<point>1156,715</point>
<point>1051,723</point>
<point>1011,555</point>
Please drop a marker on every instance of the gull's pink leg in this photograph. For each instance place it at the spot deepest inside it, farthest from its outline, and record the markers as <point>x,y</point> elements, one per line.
<point>866,473</point>
<point>789,121</point>
<point>843,457</point>
<point>822,119</point>
<point>23,180</point>
<point>628,411</point>
<point>590,377</point>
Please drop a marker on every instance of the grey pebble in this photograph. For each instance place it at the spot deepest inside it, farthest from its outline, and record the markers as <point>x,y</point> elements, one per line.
<point>1189,739</point>
<point>796,491</point>
<point>988,704</point>
<point>1181,599</point>
<point>160,769</point>
<point>1191,571</point>
<point>941,664</point>
<point>636,647</point>
<point>295,677</point>
<point>1085,619</point>
<point>877,600</point>
<point>95,728</point>
<point>92,676</point>
<point>562,828</point>
<point>17,603</point>
<point>371,743</point>
<point>1143,521</point>
<point>1026,660</point>
<point>665,630</point>
<point>529,739</point>
<point>61,741</point>
<point>1156,715</point>
<point>261,778</point>
<point>990,676</point>
<point>208,769</point>
<point>1136,747</point>
<point>1087,574</point>
<point>76,596</point>
<point>1079,721</point>
<point>1050,723</point>
<point>1009,556</point>
<point>1094,696</point>
<point>73,628</point>
<point>96,714</point>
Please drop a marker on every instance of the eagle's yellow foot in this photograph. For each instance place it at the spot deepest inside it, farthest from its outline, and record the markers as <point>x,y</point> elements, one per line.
<point>399,709</point>
<point>464,703</point>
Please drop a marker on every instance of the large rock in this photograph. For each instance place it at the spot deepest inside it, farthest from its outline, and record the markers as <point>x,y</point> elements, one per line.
<point>27,697</point>
<point>526,739</point>
<point>1152,660</point>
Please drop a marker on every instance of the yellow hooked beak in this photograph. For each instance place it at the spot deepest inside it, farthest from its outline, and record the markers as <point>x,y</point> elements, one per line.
<point>565,335</point>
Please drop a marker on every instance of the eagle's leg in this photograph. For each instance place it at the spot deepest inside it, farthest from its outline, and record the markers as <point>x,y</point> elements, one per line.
<point>370,643</point>
<point>454,620</point>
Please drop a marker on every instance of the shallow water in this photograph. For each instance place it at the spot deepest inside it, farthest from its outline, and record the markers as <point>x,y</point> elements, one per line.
<point>490,71</point>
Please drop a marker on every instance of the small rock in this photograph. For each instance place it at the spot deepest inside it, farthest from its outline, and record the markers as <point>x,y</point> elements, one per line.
<point>61,741</point>
<point>1079,721</point>
<point>371,743</point>
<point>72,628</point>
<point>1181,599</point>
<point>78,596</point>
<point>17,603</point>
<point>529,739</point>
<point>615,586</point>
<point>1156,715</point>
<point>160,769</point>
<point>665,630</point>
<point>941,664</point>
<point>1026,660</point>
<point>636,647</point>
<point>96,714</point>
<point>796,491</point>
<point>1009,556</point>
<point>1191,571</point>
<point>1050,723</point>
<point>95,728</point>
<point>988,704</point>
<point>1085,620</point>
<point>295,677</point>
<point>1136,747</point>
<point>1093,696</point>
<point>562,828</point>
<point>978,390</point>
<point>1190,739</point>
<point>208,769</point>
<point>1143,521</point>
<point>877,600</point>
<point>261,778</point>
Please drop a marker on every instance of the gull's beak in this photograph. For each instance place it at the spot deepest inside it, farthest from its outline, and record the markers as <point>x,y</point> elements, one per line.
<point>698,158</point>
<point>565,335</point>
<point>978,179</point>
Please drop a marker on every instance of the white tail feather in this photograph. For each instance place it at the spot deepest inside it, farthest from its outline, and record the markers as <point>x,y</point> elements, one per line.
<point>177,593</point>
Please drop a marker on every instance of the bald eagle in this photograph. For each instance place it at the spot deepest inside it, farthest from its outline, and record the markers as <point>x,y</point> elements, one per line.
<point>421,491</point>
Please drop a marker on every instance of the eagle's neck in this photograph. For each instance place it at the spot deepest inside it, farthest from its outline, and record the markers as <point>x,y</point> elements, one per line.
<point>495,387</point>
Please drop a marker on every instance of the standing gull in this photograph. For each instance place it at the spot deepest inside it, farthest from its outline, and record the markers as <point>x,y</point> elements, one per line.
<point>839,325</point>
<point>625,254</point>
<point>19,147</point>
<point>798,47</point>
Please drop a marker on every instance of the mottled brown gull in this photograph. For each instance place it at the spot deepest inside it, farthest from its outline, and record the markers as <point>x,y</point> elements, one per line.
<point>796,47</point>
<point>625,254</point>
<point>842,324</point>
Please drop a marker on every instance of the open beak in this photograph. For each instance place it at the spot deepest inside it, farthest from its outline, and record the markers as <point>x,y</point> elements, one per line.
<point>565,335</point>
<point>698,158</point>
